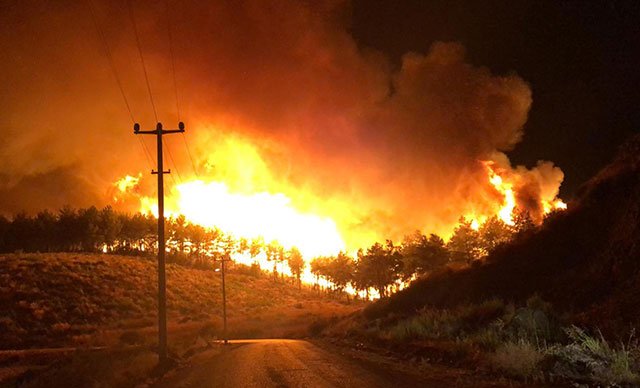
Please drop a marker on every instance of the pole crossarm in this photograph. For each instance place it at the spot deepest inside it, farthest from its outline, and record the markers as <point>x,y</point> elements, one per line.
<point>155,132</point>
<point>159,130</point>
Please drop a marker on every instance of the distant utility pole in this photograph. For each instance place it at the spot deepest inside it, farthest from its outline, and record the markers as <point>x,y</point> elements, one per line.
<point>224,300</point>
<point>162,277</point>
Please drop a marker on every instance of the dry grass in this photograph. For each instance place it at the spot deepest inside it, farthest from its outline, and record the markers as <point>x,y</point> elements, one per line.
<point>117,368</point>
<point>520,359</point>
<point>50,300</point>
<point>527,343</point>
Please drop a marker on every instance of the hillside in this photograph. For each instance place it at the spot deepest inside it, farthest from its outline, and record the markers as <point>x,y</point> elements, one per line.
<point>52,300</point>
<point>585,261</point>
<point>558,306</point>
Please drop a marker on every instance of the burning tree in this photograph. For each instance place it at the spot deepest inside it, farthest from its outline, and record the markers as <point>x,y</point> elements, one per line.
<point>492,233</point>
<point>464,245</point>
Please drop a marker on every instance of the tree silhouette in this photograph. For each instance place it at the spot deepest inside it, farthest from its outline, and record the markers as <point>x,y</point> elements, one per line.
<point>255,248</point>
<point>135,232</point>
<point>21,232</point>
<point>361,280</point>
<point>242,245</point>
<point>492,233</point>
<point>89,224</point>
<point>296,264</point>
<point>69,230</point>
<point>522,222</point>
<point>178,231</point>
<point>45,225</point>
<point>319,267</point>
<point>381,265</point>
<point>340,270</point>
<point>5,224</point>
<point>275,253</point>
<point>197,236</point>
<point>421,254</point>
<point>464,245</point>
<point>111,227</point>
<point>280,258</point>
<point>217,243</point>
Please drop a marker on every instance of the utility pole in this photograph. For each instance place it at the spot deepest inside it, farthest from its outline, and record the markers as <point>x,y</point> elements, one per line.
<point>162,277</point>
<point>224,301</point>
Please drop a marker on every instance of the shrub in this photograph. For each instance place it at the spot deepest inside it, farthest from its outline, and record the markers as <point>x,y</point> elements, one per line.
<point>98,369</point>
<point>490,338</point>
<point>318,325</point>
<point>477,315</point>
<point>436,324</point>
<point>591,357</point>
<point>428,323</point>
<point>520,359</point>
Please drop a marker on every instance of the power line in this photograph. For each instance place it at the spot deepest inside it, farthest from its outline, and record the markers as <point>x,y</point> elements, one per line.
<point>112,66</point>
<point>193,165</point>
<point>119,82</point>
<point>175,83</point>
<point>173,63</point>
<point>147,153</point>
<point>110,58</point>
<point>175,166</point>
<point>144,67</point>
<point>175,183</point>
<point>164,159</point>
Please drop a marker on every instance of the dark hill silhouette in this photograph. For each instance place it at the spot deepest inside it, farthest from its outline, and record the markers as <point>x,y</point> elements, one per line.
<point>585,261</point>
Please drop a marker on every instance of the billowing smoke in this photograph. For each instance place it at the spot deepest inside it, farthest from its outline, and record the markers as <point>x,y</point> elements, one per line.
<point>385,149</point>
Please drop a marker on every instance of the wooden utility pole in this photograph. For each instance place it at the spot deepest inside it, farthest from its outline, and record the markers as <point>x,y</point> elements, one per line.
<point>162,277</point>
<point>224,300</point>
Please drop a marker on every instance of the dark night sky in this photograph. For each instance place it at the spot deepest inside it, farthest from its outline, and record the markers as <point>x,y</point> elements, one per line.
<point>581,59</point>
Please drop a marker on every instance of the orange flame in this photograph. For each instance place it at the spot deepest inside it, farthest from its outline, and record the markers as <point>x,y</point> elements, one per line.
<point>505,184</point>
<point>556,204</point>
<point>506,189</point>
<point>259,215</point>
<point>125,185</point>
<point>241,197</point>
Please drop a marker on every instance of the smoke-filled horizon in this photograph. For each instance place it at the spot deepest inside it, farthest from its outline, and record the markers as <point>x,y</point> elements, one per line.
<point>286,93</point>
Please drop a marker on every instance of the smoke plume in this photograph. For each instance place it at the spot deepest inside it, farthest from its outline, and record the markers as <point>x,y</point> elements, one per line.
<point>335,126</point>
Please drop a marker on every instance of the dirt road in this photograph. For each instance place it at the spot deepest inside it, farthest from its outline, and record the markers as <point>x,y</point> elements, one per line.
<point>298,363</point>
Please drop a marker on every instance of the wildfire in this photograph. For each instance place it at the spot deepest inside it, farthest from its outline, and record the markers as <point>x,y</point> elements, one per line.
<point>509,204</point>
<point>241,197</point>
<point>260,215</point>
<point>125,185</point>
<point>128,182</point>
<point>505,184</point>
<point>557,204</point>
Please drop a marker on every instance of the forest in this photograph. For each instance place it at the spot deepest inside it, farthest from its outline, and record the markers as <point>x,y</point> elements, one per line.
<point>381,269</point>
